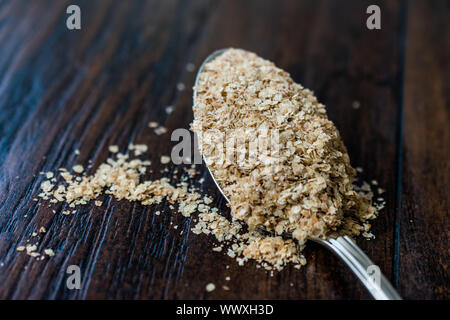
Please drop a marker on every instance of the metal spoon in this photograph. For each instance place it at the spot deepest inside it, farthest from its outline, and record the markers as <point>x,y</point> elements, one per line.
<point>369,273</point>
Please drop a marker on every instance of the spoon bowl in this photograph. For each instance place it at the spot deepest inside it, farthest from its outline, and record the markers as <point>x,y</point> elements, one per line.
<point>344,247</point>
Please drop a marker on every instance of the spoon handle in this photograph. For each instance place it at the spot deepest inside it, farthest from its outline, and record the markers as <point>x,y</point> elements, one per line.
<point>369,273</point>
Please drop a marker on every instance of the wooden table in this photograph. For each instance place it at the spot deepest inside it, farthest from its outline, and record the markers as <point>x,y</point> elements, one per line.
<point>63,90</point>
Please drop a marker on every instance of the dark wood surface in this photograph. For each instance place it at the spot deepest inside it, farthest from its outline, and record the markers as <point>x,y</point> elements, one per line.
<point>423,227</point>
<point>64,90</point>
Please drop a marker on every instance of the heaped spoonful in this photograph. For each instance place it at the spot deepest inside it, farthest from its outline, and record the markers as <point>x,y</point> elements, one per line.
<point>279,161</point>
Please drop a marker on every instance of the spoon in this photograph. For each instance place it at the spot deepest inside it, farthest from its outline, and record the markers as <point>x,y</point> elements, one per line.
<point>358,262</point>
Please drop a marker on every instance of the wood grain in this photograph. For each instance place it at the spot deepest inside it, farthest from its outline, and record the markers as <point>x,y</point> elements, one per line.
<point>424,220</point>
<point>64,90</point>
